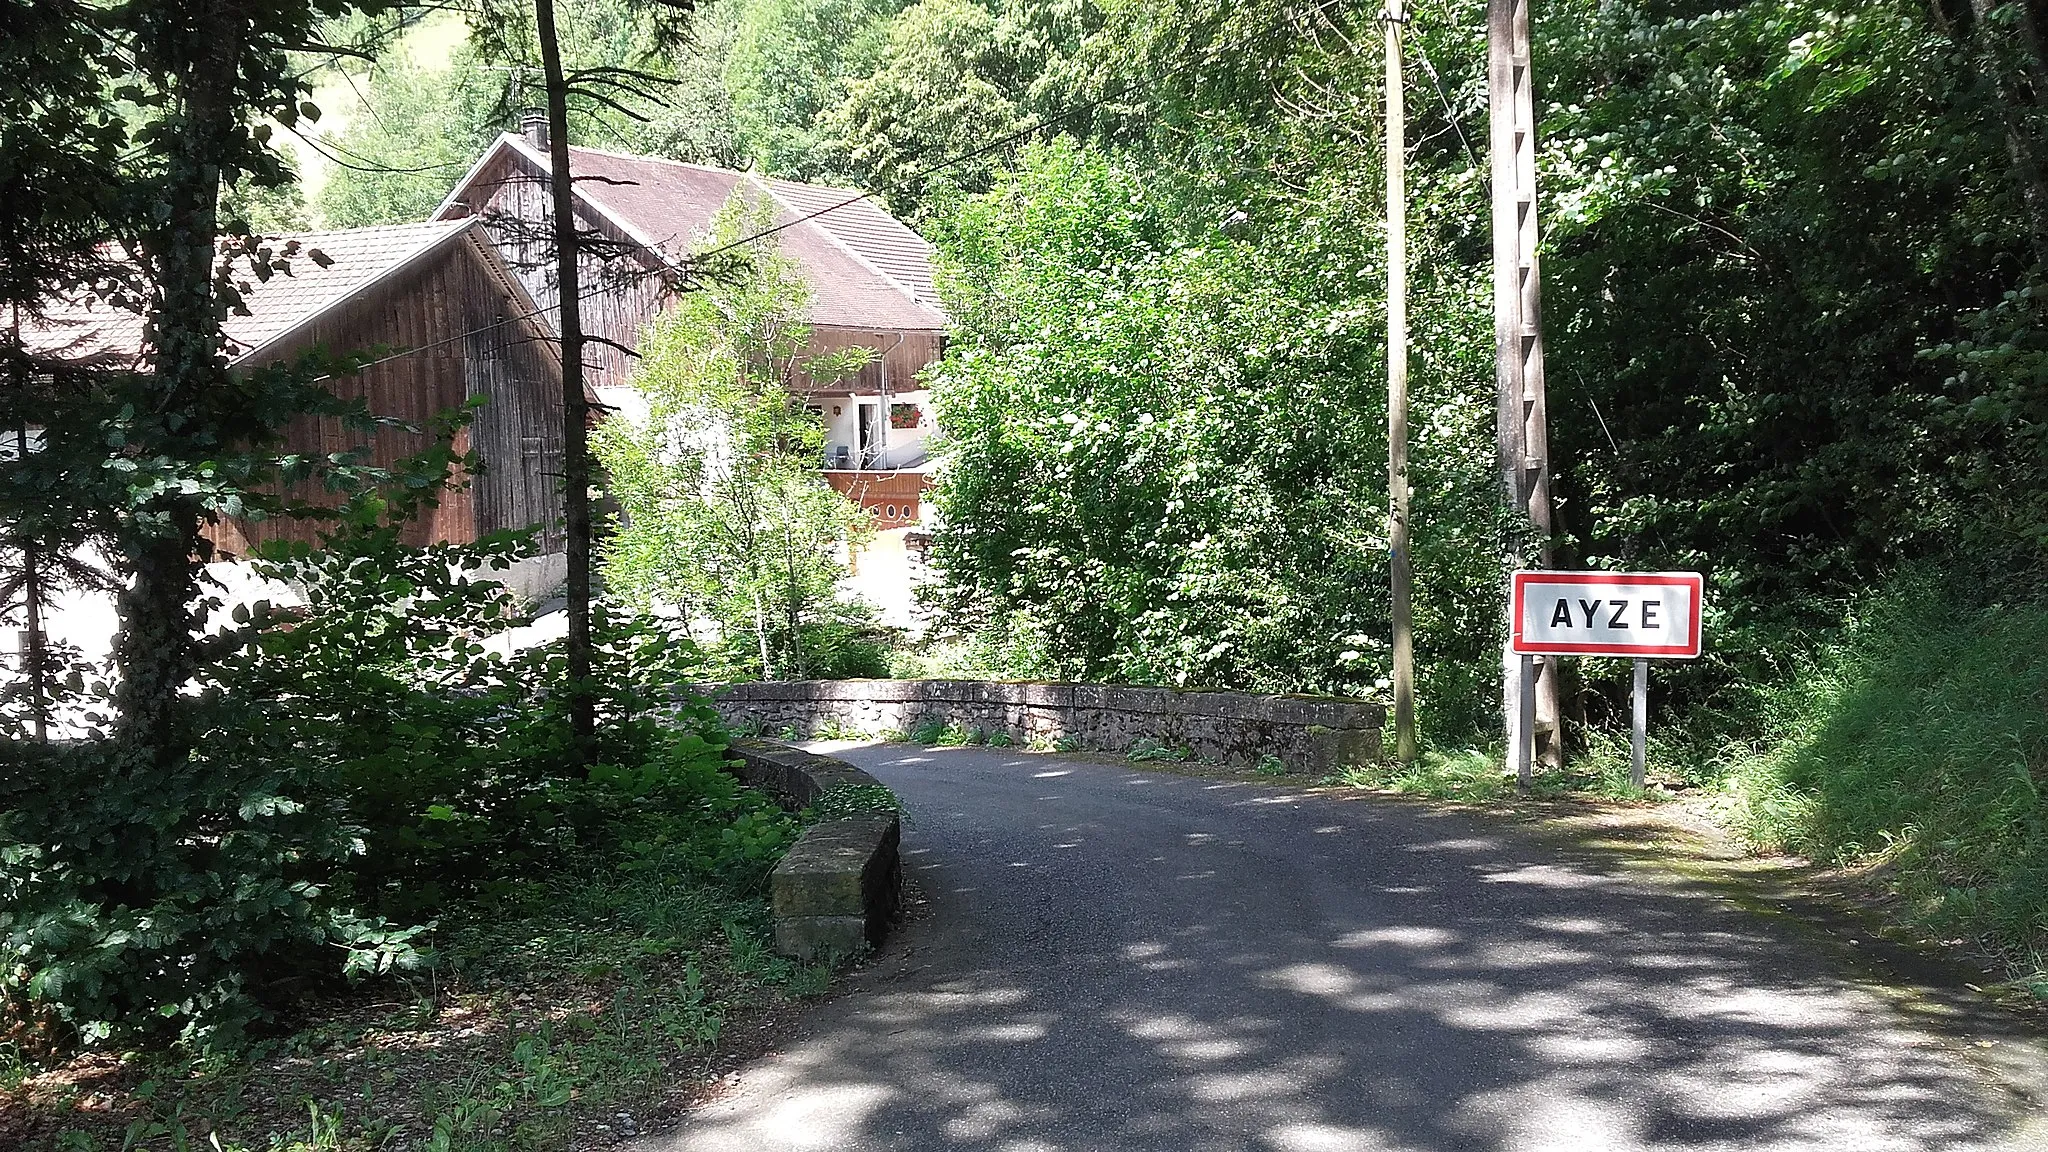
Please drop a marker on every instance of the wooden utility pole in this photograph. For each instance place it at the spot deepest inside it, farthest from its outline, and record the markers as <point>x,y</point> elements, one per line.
<point>1529,694</point>
<point>1402,574</point>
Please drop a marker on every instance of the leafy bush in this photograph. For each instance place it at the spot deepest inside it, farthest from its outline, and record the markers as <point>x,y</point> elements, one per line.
<point>1162,467</point>
<point>723,513</point>
<point>359,764</point>
<point>849,646</point>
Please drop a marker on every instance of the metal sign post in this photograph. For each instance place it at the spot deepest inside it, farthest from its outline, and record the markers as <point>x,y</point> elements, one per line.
<point>1644,615</point>
<point>1525,723</point>
<point>1639,730</point>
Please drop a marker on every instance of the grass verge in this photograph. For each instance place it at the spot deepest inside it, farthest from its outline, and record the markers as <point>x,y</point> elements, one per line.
<point>563,1013</point>
<point>1476,776</point>
<point>1917,751</point>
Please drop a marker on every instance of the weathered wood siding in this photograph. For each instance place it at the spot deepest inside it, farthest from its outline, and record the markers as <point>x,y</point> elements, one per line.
<point>434,308</point>
<point>905,354</point>
<point>619,296</point>
<point>518,431</point>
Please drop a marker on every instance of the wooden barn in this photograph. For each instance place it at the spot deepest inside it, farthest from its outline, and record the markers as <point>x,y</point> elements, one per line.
<point>870,279</point>
<point>450,322</point>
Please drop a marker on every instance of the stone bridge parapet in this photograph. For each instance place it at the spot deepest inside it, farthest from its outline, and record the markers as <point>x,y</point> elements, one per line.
<point>1313,734</point>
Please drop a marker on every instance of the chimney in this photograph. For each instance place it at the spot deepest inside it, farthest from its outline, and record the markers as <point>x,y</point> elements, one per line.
<point>534,126</point>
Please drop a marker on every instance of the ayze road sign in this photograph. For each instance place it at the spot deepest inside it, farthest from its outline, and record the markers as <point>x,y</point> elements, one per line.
<point>1639,614</point>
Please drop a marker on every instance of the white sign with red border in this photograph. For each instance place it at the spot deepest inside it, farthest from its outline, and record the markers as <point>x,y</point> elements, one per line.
<point>1654,615</point>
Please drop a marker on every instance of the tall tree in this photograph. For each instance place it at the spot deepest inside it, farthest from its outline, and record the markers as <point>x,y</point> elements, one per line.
<point>572,246</point>
<point>201,63</point>
<point>60,147</point>
<point>935,94</point>
<point>575,409</point>
<point>723,512</point>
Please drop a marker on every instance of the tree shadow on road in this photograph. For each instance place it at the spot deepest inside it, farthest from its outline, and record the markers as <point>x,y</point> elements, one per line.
<point>1122,960</point>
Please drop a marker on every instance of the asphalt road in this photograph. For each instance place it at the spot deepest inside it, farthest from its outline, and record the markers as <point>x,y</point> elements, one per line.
<point>1121,959</point>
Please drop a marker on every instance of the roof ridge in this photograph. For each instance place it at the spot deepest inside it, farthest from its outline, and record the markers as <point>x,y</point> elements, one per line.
<point>669,160</point>
<point>810,220</point>
<point>469,177</point>
<point>637,234</point>
<point>839,188</point>
<point>882,256</point>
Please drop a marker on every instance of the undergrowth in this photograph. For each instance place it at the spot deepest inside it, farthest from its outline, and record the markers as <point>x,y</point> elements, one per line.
<point>1148,750</point>
<point>1920,746</point>
<point>556,1006</point>
<point>1477,776</point>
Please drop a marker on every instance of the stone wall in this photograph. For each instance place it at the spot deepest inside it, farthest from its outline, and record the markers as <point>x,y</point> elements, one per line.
<point>1308,733</point>
<point>840,886</point>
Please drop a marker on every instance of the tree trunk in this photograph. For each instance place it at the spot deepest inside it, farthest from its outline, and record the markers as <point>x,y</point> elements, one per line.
<point>575,410</point>
<point>792,606</point>
<point>154,651</point>
<point>32,592</point>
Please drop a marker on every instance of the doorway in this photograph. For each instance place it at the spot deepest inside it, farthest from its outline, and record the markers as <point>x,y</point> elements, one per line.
<point>870,435</point>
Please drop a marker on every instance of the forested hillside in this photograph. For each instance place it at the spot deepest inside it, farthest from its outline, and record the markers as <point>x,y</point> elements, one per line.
<point>1788,287</point>
<point>1792,277</point>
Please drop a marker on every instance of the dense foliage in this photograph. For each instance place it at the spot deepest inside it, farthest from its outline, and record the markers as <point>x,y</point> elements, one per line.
<point>1780,230</point>
<point>243,811</point>
<point>364,763</point>
<point>871,93</point>
<point>1165,436</point>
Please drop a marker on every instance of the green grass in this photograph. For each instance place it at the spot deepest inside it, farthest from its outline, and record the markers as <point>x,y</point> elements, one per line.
<point>1478,775</point>
<point>553,1007</point>
<point>843,800</point>
<point>1921,745</point>
<point>1470,776</point>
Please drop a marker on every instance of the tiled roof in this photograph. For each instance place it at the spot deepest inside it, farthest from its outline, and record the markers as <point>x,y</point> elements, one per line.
<point>95,332</point>
<point>878,238</point>
<point>865,268</point>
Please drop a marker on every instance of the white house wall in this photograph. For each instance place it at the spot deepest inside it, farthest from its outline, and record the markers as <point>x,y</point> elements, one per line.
<point>903,447</point>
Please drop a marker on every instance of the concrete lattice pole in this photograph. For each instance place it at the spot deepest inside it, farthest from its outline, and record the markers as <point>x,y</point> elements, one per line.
<point>1518,352</point>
